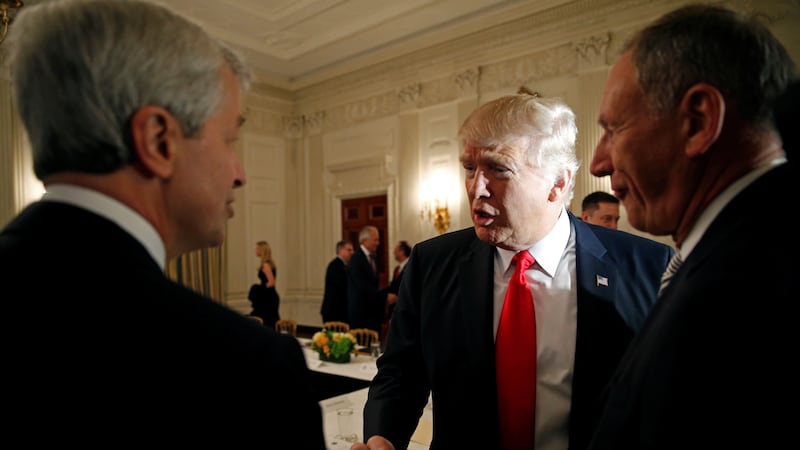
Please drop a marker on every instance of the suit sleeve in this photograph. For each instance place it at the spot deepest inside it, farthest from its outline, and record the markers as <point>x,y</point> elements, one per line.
<point>399,391</point>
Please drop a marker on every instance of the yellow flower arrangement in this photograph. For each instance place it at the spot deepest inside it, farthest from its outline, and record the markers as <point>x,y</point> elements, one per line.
<point>333,345</point>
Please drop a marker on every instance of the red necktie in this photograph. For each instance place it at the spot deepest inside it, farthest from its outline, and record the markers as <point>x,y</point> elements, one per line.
<point>396,272</point>
<point>516,360</point>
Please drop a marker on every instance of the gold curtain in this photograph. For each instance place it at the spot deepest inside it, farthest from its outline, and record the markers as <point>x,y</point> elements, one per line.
<point>200,270</point>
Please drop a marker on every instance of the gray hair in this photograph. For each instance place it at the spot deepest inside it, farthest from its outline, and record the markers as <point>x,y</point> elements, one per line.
<point>366,233</point>
<point>80,69</point>
<point>735,53</point>
<point>548,125</point>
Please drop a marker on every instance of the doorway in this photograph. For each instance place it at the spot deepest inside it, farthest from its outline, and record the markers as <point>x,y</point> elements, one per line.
<point>360,212</point>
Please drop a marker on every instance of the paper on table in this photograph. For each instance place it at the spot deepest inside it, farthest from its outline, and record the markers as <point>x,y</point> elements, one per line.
<point>424,432</point>
<point>315,364</point>
<point>369,368</point>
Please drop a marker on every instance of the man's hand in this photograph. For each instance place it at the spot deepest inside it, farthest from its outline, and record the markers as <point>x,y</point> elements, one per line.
<point>375,442</point>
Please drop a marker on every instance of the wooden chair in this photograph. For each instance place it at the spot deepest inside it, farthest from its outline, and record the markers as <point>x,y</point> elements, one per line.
<point>288,326</point>
<point>257,319</point>
<point>342,327</point>
<point>364,336</point>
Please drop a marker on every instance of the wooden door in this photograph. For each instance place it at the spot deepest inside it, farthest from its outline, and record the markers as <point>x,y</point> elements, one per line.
<point>360,212</point>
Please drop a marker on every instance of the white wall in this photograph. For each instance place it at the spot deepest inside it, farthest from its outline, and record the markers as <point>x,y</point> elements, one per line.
<point>389,127</point>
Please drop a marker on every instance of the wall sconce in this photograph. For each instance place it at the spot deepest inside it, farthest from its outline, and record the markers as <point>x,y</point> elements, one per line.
<point>436,211</point>
<point>439,190</point>
<point>5,18</point>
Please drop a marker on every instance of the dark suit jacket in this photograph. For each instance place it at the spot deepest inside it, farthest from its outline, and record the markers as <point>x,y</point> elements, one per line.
<point>713,365</point>
<point>101,347</point>
<point>442,335</point>
<point>394,288</point>
<point>334,300</point>
<point>394,285</point>
<point>365,301</point>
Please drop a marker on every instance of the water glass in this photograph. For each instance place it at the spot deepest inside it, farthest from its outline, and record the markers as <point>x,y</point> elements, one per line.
<point>375,349</point>
<point>347,426</point>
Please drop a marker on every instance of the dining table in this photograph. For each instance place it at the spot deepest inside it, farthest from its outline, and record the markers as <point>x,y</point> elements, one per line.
<point>331,379</point>
<point>345,386</point>
<point>420,440</point>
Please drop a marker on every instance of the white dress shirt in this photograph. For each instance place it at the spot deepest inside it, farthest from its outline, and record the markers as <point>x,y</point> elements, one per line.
<point>113,210</point>
<point>555,299</point>
<point>715,207</point>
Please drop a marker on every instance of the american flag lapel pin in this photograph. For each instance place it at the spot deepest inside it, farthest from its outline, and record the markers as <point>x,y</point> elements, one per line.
<point>601,280</point>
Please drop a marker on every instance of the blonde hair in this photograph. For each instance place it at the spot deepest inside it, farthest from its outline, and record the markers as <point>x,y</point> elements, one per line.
<point>266,254</point>
<point>547,124</point>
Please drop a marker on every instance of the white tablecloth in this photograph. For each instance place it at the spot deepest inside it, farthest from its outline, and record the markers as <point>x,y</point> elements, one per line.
<point>355,401</point>
<point>360,366</point>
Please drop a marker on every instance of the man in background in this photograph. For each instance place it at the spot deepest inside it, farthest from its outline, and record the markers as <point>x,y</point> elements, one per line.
<point>401,253</point>
<point>692,151</point>
<point>366,302</point>
<point>132,113</point>
<point>600,208</point>
<point>589,290</point>
<point>334,300</point>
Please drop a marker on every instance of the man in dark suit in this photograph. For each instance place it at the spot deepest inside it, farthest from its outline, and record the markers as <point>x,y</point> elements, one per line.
<point>334,300</point>
<point>692,151</point>
<point>401,253</point>
<point>591,289</point>
<point>366,301</point>
<point>132,112</point>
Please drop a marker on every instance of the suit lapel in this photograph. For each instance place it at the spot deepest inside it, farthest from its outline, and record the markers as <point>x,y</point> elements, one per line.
<point>476,281</point>
<point>596,275</point>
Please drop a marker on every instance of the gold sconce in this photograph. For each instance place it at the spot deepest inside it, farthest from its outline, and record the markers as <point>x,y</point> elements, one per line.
<point>438,190</point>
<point>5,18</point>
<point>437,212</point>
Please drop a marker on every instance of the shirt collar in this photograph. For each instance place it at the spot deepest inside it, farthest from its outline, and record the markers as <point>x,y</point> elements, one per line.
<point>113,210</point>
<point>366,252</point>
<point>720,201</point>
<point>547,251</point>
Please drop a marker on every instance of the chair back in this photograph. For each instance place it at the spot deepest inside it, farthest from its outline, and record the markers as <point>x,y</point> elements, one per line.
<point>288,326</point>
<point>257,319</point>
<point>364,336</point>
<point>342,327</point>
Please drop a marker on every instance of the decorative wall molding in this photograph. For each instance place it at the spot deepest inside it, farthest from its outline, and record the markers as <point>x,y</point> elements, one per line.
<point>436,92</point>
<point>293,127</point>
<point>361,176</point>
<point>592,51</point>
<point>314,123</point>
<point>528,34</point>
<point>339,117</point>
<point>361,111</point>
<point>409,95</point>
<point>377,162</point>
<point>264,121</point>
<point>526,70</point>
<point>467,81</point>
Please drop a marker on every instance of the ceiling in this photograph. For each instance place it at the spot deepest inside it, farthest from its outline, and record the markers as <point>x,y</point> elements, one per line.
<point>292,44</point>
<point>296,43</point>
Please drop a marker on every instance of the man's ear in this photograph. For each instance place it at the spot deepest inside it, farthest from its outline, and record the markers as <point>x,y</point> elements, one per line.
<point>560,186</point>
<point>704,111</point>
<point>154,133</point>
